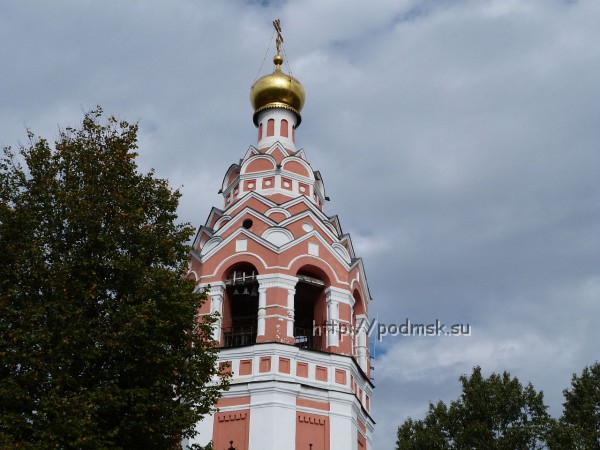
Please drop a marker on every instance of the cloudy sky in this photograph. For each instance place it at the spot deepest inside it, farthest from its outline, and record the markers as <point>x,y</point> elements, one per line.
<point>458,141</point>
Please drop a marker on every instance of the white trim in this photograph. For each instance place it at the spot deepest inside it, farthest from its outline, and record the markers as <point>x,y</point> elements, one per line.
<point>302,162</point>
<point>252,150</point>
<point>275,233</point>
<point>279,250</point>
<point>247,162</point>
<point>210,245</point>
<point>264,263</point>
<point>227,189</point>
<point>218,224</point>
<point>237,219</point>
<point>283,211</point>
<point>277,350</point>
<point>342,251</point>
<point>245,199</point>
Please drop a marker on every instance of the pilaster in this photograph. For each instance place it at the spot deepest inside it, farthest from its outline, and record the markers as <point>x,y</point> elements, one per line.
<point>215,297</point>
<point>362,353</point>
<point>335,297</point>
<point>276,308</point>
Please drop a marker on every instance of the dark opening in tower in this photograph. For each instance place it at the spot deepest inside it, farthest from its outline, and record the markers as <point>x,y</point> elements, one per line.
<point>240,311</point>
<point>310,312</point>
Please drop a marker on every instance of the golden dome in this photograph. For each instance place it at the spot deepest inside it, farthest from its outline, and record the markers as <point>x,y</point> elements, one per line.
<point>277,90</point>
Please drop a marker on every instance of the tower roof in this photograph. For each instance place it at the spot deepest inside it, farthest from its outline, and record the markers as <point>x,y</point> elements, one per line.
<point>277,89</point>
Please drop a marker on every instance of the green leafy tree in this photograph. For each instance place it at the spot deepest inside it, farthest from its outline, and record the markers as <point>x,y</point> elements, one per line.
<point>579,426</point>
<point>429,433</point>
<point>99,340</point>
<point>492,413</point>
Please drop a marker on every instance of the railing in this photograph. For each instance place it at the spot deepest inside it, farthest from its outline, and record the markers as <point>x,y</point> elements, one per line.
<point>306,338</point>
<point>246,335</point>
<point>239,336</point>
<point>241,277</point>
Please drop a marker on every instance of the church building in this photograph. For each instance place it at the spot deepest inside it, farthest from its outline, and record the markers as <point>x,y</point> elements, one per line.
<point>290,292</point>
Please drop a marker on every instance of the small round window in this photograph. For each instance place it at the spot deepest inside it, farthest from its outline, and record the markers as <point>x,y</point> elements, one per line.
<point>247,224</point>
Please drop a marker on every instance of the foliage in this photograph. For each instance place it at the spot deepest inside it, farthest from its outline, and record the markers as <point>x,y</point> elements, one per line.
<point>492,413</point>
<point>579,426</point>
<point>95,317</point>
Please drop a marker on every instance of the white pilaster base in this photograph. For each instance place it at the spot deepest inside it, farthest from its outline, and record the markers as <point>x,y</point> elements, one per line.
<point>204,436</point>
<point>272,419</point>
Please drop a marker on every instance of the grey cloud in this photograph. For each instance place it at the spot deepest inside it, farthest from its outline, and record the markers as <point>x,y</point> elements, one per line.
<point>458,142</point>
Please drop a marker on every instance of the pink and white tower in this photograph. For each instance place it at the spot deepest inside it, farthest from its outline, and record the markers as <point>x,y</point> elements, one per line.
<point>291,295</point>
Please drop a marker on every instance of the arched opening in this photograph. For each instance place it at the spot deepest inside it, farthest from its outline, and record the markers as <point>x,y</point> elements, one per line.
<point>284,128</point>
<point>271,127</point>
<point>240,309</point>
<point>294,134</point>
<point>359,307</point>
<point>310,310</point>
<point>260,132</point>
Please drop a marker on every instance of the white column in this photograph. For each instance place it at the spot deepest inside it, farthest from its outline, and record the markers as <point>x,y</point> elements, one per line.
<point>334,298</point>
<point>291,310</point>
<point>216,306</point>
<point>204,428</point>
<point>276,280</point>
<point>272,417</point>
<point>361,342</point>
<point>262,309</point>
<point>370,428</point>
<point>342,428</point>
<point>333,318</point>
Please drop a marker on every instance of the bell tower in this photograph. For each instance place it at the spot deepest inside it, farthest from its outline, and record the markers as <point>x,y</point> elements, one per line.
<point>291,294</point>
